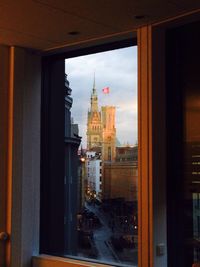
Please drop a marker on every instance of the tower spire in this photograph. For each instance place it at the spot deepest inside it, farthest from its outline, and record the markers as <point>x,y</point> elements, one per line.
<point>94,81</point>
<point>94,120</point>
<point>94,98</point>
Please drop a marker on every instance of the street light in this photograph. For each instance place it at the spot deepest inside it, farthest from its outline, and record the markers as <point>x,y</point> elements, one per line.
<point>82,159</point>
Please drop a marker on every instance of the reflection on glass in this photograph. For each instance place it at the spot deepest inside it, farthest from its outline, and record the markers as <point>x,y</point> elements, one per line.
<point>191,176</point>
<point>103,224</point>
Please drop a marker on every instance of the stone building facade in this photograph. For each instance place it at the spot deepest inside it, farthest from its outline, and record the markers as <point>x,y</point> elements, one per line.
<point>94,126</point>
<point>101,131</point>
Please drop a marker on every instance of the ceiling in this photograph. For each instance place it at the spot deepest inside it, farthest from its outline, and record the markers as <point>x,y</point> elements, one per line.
<point>49,24</point>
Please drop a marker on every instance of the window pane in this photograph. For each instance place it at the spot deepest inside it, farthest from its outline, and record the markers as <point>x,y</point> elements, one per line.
<point>101,141</point>
<point>183,105</point>
<point>191,145</point>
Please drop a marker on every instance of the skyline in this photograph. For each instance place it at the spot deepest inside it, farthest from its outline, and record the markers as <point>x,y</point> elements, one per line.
<point>116,69</point>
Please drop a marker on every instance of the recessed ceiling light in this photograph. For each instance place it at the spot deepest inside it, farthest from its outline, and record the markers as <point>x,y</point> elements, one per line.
<point>73,33</point>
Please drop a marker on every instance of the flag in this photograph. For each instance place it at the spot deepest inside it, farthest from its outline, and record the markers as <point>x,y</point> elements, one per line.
<point>106,90</point>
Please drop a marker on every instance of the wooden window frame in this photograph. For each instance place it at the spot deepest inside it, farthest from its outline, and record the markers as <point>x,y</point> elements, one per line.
<point>6,151</point>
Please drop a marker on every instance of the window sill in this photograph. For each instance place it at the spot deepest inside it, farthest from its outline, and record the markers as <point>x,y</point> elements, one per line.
<point>52,261</point>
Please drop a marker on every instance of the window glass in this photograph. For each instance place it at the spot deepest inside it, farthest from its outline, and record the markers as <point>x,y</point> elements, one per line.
<point>191,156</point>
<point>101,199</point>
<point>183,105</point>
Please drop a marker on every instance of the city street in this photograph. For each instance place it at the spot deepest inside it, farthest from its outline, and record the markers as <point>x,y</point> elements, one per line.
<point>101,238</point>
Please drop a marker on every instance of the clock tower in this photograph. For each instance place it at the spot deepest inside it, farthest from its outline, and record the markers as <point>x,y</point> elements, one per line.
<point>101,131</point>
<point>94,131</point>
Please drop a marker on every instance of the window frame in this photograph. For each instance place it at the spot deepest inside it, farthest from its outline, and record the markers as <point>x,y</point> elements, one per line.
<point>148,39</point>
<point>6,153</point>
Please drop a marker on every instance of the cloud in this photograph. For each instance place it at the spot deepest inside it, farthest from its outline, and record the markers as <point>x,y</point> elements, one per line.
<point>116,69</point>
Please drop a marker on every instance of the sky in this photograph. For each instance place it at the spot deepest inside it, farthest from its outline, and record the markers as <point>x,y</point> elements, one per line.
<point>116,69</point>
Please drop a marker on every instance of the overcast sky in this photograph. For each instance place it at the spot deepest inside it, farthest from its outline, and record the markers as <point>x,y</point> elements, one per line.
<point>116,69</point>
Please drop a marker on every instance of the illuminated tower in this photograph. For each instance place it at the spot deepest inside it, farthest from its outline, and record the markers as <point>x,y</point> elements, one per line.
<point>94,135</point>
<point>108,133</point>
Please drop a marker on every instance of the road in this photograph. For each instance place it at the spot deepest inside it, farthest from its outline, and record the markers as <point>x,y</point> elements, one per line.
<point>101,239</point>
<point>102,236</point>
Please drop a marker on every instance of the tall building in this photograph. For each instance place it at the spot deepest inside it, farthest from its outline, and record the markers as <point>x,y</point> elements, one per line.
<point>101,131</point>
<point>94,134</point>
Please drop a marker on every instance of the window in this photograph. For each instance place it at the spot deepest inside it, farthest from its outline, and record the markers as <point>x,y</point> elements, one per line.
<point>151,147</point>
<point>184,151</point>
<point>86,193</point>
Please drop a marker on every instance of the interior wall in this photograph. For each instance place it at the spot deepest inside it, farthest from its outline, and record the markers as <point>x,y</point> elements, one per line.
<point>26,156</point>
